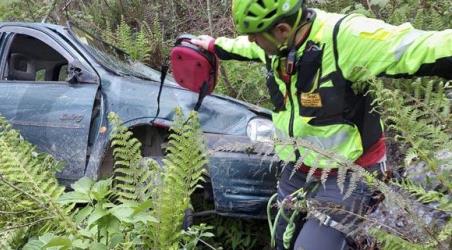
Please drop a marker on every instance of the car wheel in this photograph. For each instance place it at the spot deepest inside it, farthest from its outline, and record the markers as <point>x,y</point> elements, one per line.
<point>153,141</point>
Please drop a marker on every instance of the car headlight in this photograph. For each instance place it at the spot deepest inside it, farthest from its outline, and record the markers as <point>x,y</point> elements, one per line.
<point>260,130</point>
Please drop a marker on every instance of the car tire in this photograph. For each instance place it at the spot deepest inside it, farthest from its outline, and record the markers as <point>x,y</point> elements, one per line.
<point>153,141</point>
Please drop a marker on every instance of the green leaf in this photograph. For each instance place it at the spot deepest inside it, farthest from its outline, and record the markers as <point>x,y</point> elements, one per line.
<point>122,212</point>
<point>60,242</point>
<point>74,197</point>
<point>83,185</point>
<point>346,10</point>
<point>38,244</point>
<point>134,212</point>
<point>34,245</point>
<point>115,240</point>
<point>110,223</point>
<point>146,205</point>
<point>82,244</point>
<point>362,11</point>
<point>144,217</point>
<point>88,233</point>
<point>98,246</point>
<point>83,214</point>
<point>101,189</point>
<point>207,235</point>
<point>98,213</point>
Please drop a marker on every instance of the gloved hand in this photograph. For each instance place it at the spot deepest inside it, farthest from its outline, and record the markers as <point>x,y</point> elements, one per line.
<point>205,42</point>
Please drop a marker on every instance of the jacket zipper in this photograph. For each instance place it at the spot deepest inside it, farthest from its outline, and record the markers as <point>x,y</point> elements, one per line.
<point>291,120</point>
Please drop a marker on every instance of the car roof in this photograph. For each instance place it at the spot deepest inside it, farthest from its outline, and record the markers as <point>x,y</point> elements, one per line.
<point>58,28</point>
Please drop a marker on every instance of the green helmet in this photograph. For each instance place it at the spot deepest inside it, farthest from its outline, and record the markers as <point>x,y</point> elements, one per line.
<point>253,16</point>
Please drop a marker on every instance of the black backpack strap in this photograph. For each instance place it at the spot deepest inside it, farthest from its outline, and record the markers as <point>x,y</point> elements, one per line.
<point>268,63</point>
<point>367,122</point>
<point>277,98</point>
<point>336,51</point>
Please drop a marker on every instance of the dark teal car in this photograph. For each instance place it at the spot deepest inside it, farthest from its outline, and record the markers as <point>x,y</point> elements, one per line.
<point>59,83</point>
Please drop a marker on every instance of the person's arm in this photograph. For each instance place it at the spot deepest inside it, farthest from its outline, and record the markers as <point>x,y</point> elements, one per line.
<point>239,48</point>
<point>369,47</point>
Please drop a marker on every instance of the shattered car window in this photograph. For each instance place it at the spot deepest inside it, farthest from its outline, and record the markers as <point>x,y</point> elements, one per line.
<point>113,58</point>
<point>152,73</point>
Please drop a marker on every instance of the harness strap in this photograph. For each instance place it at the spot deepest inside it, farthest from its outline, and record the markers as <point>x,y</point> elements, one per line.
<point>327,221</point>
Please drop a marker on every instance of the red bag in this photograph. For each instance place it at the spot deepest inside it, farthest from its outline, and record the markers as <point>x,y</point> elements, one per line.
<point>193,68</point>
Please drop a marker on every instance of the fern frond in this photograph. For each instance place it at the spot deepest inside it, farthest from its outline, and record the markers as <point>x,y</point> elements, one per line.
<point>31,177</point>
<point>419,112</point>
<point>311,172</point>
<point>341,175</point>
<point>392,242</point>
<point>446,234</point>
<point>324,176</point>
<point>352,184</point>
<point>13,239</point>
<point>184,166</point>
<point>424,196</point>
<point>132,179</point>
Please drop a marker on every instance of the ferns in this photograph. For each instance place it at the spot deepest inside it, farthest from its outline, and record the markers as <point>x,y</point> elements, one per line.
<point>420,113</point>
<point>442,201</point>
<point>392,242</point>
<point>135,43</point>
<point>31,10</point>
<point>28,184</point>
<point>184,167</point>
<point>182,171</point>
<point>132,179</point>
<point>141,207</point>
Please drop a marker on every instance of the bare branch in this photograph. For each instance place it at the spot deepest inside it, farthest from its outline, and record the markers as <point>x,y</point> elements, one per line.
<point>25,225</point>
<point>52,7</point>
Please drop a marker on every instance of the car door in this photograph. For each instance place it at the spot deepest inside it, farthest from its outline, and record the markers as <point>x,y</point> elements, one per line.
<point>36,98</point>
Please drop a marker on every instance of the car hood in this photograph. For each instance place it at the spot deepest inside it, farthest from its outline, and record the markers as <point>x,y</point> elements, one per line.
<point>135,100</point>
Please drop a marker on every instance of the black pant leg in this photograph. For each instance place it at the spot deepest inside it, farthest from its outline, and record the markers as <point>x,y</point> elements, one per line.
<point>288,184</point>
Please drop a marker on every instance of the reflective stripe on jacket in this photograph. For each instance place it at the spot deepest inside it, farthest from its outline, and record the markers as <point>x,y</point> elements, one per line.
<point>321,106</point>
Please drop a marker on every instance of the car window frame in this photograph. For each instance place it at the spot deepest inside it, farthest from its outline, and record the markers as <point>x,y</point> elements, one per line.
<point>12,30</point>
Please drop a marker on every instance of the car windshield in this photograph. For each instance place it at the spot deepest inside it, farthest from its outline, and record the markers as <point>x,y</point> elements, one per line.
<point>113,58</point>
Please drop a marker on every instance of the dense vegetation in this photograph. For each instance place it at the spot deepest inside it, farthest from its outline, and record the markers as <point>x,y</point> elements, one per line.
<point>416,112</point>
<point>141,206</point>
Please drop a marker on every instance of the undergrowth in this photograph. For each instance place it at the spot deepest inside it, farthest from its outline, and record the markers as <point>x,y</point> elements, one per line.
<point>141,207</point>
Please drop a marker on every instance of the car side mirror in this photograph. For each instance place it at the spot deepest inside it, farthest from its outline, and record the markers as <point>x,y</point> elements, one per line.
<point>77,74</point>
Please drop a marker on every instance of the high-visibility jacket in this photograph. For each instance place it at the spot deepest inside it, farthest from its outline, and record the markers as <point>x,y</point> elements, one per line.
<point>318,104</point>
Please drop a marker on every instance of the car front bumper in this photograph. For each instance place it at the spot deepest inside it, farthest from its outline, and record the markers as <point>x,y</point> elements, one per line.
<point>242,180</point>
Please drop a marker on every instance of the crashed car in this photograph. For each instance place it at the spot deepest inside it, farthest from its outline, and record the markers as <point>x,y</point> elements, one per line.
<point>59,83</point>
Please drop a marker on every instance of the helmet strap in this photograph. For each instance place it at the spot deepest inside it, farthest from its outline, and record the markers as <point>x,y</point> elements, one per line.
<point>297,26</point>
<point>283,48</point>
<point>291,47</point>
<point>280,46</point>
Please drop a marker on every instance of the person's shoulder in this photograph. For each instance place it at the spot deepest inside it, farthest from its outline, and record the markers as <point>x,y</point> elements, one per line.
<point>355,23</point>
<point>324,15</point>
<point>324,18</point>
